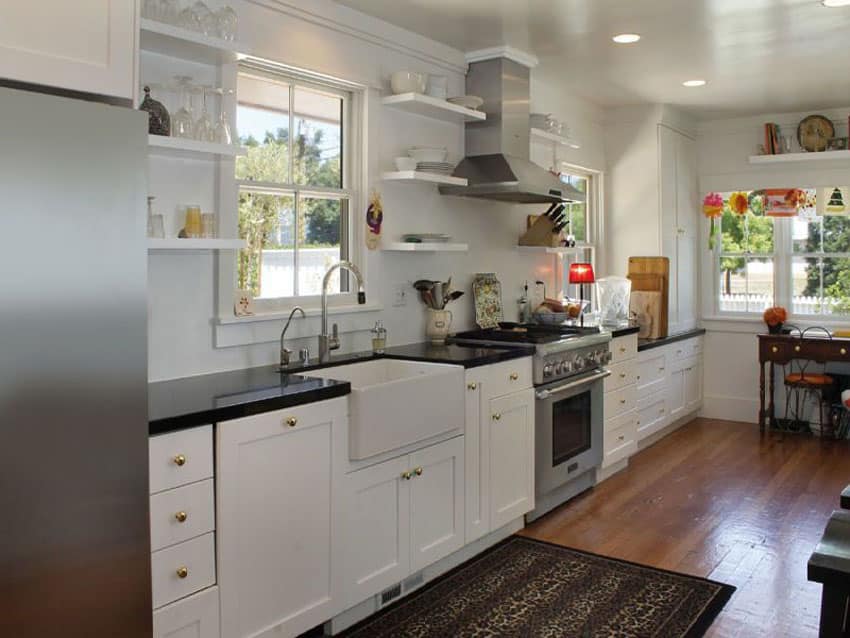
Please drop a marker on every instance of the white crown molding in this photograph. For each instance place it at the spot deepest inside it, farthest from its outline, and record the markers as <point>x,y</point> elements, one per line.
<point>364,28</point>
<point>520,57</point>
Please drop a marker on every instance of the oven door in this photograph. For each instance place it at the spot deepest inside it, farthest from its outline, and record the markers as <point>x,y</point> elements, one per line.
<point>568,429</point>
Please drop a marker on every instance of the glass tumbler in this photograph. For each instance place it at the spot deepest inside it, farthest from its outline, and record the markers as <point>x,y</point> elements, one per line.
<point>209,226</point>
<point>193,226</point>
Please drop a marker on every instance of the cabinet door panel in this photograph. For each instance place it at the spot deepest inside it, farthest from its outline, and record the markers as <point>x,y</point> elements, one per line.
<point>436,503</point>
<point>676,390</point>
<point>476,462</point>
<point>693,385</point>
<point>511,423</point>
<point>275,504</point>
<point>375,528</point>
<point>83,46</point>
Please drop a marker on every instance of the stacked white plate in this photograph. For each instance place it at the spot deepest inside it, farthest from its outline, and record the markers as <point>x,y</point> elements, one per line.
<point>444,168</point>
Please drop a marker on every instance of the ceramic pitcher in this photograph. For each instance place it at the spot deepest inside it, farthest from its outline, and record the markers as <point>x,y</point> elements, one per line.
<point>438,325</point>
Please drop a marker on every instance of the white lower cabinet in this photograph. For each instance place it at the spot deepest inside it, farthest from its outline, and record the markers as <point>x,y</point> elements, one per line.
<point>499,451</point>
<point>685,387</point>
<point>652,414</point>
<point>400,516</point>
<point>192,617</point>
<point>276,519</point>
<point>619,439</point>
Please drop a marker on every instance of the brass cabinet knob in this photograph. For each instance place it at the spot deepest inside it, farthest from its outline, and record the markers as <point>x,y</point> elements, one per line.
<point>623,401</point>
<point>638,422</point>
<point>182,572</point>
<point>406,476</point>
<point>180,460</point>
<point>472,386</point>
<point>623,349</point>
<point>637,377</point>
<point>796,348</point>
<point>622,437</point>
<point>843,351</point>
<point>418,471</point>
<point>291,421</point>
<point>181,517</point>
<point>497,417</point>
<point>622,375</point>
<point>514,376</point>
<point>661,411</point>
<point>774,349</point>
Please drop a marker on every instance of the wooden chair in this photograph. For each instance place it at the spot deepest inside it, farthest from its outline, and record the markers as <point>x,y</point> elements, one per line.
<point>829,564</point>
<point>800,380</point>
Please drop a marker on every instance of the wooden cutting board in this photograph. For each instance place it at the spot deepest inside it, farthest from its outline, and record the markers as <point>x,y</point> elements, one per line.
<point>646,306</point>
<point>652,274</point>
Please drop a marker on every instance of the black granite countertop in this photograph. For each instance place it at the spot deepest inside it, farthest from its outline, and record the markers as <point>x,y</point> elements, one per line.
<point>622,331</point>
<point>193,401</point>
<point>648,344</point>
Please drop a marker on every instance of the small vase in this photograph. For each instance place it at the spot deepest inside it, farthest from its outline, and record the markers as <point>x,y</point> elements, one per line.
<point>775,330</point>
<point>438,325</point>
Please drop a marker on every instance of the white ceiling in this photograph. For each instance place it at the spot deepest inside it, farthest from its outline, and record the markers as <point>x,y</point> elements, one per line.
<point>757,55</point>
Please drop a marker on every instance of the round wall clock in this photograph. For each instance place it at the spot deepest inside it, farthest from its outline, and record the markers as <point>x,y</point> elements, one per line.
<point>814,133</point>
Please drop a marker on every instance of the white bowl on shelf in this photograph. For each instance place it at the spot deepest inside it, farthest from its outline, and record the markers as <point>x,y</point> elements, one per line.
<point>408,82</point>
<point>467,101</point>
<point>428,154</point>
<point>405,163</point>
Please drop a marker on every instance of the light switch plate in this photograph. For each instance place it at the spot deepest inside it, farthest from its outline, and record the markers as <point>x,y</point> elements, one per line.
<point>400,295</point>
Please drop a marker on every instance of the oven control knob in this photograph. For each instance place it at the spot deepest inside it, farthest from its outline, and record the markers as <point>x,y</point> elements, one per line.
<point>557,367</point>
<point>569,366</point>
<point>547,370</point>
<point>579,363</point>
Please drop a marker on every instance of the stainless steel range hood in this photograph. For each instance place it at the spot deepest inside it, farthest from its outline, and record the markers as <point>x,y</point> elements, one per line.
<point>497,164</point>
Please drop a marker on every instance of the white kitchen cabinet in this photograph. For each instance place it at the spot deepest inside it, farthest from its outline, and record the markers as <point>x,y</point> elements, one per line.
<point>511,422</point>
<point>276,519</point>
<point>400,516</point>
<point>652,414</point>
<point>619,439</point>
<point>81,46</point>
<point>676,389</point>
<point>693,385</point>
<point>498,451</point>
<point>436,503</point>
<point>195,616</point>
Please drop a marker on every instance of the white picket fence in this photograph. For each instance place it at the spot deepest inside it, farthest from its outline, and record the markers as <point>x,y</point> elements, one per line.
<point>754,303</point>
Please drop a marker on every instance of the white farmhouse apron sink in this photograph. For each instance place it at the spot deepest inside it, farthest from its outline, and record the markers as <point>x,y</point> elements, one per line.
<point>398,403</point>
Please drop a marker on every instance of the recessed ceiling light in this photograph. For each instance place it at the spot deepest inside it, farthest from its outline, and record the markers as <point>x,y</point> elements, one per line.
<point>693,83</point>
<point>629,38</point>
<point>835,3</point>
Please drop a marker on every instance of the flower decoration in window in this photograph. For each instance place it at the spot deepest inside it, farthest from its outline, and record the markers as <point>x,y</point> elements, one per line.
<point>739,203</point>
<point>712,207</point>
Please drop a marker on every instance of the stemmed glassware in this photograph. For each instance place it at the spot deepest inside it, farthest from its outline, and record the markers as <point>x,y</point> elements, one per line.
<point>204,127</point>
<point>227,23</point>
<point>222,132</point>
<point>195,16</point>
<point>182,122</point>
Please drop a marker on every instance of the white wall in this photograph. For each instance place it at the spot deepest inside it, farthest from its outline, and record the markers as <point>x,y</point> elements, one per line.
<point>322,36</point>
<point>731,354</point>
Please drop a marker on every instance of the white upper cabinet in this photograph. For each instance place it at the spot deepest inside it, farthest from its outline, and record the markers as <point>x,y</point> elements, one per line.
<point>81,45</point>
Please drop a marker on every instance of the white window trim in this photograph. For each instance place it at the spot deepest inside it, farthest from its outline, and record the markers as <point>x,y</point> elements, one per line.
<point>594,224</point>
<point>355,137</point>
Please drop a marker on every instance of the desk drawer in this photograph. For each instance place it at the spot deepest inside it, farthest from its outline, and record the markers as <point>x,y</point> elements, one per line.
<point>180,458</point>
<point>182,513</point>
<point>623,348</point>
<point>182,569</point>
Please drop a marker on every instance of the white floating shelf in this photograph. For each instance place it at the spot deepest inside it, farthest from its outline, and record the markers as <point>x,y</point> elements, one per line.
<point>433,107</point>
<point>176,42</point>
<point>825,156</point>
<point>557,139</point>
<point>560,250</point>
<point>424,247</point>
<point>196,244</point>
<point>178,146</point>
<point>423,176</point>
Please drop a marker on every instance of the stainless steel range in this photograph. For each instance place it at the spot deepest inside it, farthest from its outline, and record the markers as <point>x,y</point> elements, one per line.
<point>569,368</point>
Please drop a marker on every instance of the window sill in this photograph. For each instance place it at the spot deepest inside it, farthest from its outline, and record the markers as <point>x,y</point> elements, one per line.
<point>265,328</point>
<point>754,323</point>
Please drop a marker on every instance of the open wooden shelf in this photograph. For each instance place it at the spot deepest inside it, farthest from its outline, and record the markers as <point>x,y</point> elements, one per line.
<point>559,250</point>
<point>424,247</point>
<point>176,243</point>
<point>423,176</point>
<point>176,42</point>
<point>556,139</point>
<point>433,107</point>
<point>783,158</point>
<point>182,147</point>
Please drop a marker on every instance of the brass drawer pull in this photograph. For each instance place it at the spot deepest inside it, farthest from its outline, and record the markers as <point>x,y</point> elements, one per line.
<point>622,375</point>
<point>472,386</point>
<point>843,351</point>
<point>179,460</point>
<point>623,401</point>
<point>774,349</point>
<point>796,348</point>
<point>181,517</point>
<point>406,476</point>
<point>182,572</point>
<point>622,437</point>
<point>497,417</point>
<point>418,471</point>
<point>291,421</point>
<point>514,376</point>
<point>623,349</point>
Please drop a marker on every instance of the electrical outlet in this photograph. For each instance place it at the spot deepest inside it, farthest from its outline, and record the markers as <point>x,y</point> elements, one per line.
<point>400,296</point>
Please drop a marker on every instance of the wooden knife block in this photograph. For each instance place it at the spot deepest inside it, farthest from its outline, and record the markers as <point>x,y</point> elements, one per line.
<point>540,233</point>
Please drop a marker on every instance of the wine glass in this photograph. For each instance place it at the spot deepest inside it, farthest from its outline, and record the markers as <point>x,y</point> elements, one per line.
<point>223,133</point>
<point>205,19</point>
<point>169,10</point>
<point>227,23</point>
<point>182,122</point>
<point>204,128</point>
<point>188,19</point>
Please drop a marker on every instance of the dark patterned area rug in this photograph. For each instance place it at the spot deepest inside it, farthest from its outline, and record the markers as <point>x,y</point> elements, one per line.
<point>524,587</point>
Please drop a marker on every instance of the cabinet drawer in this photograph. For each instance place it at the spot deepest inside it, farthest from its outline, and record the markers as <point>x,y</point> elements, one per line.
<point>619,402</point>
<point>623,348</point>
<point>507,377</point>
<point>180,458</point>
<point>182,513</point>
<point>651,372</point>
<point>168,578</point>
<point>686,349</point>
<point>621,442</point>
<point>653,413</point>
<point>622,374</point>
<point>192,617</point>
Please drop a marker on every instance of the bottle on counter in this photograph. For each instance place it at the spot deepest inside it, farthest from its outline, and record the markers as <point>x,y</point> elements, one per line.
<point>524,305</point>
<point>379,338</point>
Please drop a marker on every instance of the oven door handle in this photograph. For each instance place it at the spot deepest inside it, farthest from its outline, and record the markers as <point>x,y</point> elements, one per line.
<point>545,394</point>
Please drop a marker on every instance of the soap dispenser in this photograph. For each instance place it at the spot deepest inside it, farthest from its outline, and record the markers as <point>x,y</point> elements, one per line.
<point>379,338</point>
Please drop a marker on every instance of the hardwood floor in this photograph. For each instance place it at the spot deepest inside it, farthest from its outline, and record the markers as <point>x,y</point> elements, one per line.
<point>715,499</point>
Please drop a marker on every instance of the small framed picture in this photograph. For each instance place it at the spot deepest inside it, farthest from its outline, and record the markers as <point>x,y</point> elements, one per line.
<point>243,303</point>
<point>837,144</point>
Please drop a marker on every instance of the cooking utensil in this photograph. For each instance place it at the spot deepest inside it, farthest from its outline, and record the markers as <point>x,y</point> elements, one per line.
<point>427,298</point>
<point>455,294</point>
<point>423,284</point>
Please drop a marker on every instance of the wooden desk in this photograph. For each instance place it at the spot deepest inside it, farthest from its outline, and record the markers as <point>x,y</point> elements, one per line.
<point>781,349</point>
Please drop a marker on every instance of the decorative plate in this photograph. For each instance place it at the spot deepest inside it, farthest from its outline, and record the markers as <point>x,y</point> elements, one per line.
<point>814,133</point>
<point>467,101</point>
<point>487,291</point>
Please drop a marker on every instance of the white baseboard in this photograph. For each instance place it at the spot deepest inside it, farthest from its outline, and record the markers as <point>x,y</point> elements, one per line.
<point>603,474</point>
<point>730,408</point>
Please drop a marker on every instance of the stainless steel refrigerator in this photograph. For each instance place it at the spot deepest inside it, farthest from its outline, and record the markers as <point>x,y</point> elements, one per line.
<point>74,529</point>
